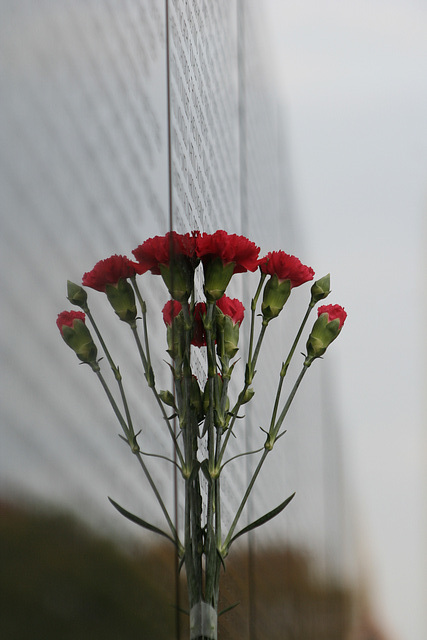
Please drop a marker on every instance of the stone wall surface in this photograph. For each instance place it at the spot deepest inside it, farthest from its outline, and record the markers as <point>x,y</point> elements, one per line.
<point>95,99</point>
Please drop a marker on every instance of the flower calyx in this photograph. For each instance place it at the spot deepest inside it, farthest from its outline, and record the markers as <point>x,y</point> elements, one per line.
<point>320,289</point>
<point>77,336</point>
<point>327,327</point>
<point>173,256</point>
<point>229,317</point>
<point>275,295</point>
<point>110,277</point>
<point>286,271</point>
<point>223,255</point>
<point>76,295</point>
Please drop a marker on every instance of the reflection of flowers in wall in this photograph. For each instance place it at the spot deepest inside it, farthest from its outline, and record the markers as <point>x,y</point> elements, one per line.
<point>200,416</point>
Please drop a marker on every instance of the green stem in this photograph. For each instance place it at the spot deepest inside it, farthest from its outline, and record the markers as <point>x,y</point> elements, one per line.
<point>128,433</point>
<point>210,550</point>
<point>250,364</point>
<point>156,395</point>
<point>300,330</point>
<point>288,403</point>
<point>286,364</point>
<point>129,437</point>
<point>241,455</point>
<point>244,500</point>
<point>158,455</point>
<point>258,346</point>
<point>114,368</point>
<point>159,499</point>
<point>143,306</point>
<point>254,303</point>
<point>193,500</point>
<point>263,457</point>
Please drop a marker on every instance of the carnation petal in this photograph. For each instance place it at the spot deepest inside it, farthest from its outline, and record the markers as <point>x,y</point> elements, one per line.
<point>286,267</point>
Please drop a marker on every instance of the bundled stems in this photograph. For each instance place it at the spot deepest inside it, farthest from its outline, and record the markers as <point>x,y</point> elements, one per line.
<point>212,586</point>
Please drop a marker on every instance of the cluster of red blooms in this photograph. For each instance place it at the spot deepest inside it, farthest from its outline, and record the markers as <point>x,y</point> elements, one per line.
<point>229,248</point>
<point>232,308</point>
<point>175,257</point>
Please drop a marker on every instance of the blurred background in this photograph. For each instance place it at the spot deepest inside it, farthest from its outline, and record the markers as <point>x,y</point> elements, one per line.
<point>303,127</point>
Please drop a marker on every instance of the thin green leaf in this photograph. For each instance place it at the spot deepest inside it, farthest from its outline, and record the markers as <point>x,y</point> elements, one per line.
<point>227,609</point>
<point>140,522</point>
<point>205,468</point>
<point>268,516</point>
<point>221,559</point>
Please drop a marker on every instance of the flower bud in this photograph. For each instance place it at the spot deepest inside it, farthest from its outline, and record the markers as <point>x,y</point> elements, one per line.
<point>227,336</point>
<point>122,299</point>
<point>167,398</point>
<point>76,294</point>
<point>77,336</point>
<point>174,321</point>
<point>206,399</point>
<point>247,396</point>
<point>229,317</point>
<point>320,289</point>
<point>326,328</point>
<point>275,296</point>
<point>217,276</point>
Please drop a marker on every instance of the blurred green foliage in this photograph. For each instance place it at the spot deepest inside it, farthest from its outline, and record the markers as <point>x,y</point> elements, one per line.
<point>59,580</point>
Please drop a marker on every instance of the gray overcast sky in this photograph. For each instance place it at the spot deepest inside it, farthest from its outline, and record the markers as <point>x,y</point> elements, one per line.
<point>354,85</point>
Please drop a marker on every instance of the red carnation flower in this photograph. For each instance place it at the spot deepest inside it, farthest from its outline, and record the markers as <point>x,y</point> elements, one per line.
<point>232,308</point>
<point>158,250</point>
<point>66,318</point>
<point>110,271</point>
<point>170,311</point>
<point>334,311</point>
<point>286,267</point>
<point>229,248</point>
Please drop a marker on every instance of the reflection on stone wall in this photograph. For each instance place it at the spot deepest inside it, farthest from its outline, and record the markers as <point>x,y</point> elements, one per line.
<point>84,173</point>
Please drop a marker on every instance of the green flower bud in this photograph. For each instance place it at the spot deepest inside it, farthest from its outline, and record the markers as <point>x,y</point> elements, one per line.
<point>247,396</point>
<point>326,328</point>
<point>168,398</point>
<point>76,335</point>
<point>76,294</point>
<point>206,399</point>
<point>227,335</point>
<point>320,289</point>
<point>176,338</point>
<point>275,296</point>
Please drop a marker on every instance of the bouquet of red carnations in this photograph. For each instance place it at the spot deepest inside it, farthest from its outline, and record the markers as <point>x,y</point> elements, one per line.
<point>205,416</point>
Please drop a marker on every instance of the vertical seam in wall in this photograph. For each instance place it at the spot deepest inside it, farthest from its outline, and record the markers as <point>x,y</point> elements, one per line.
<point>175,471</point>
<point>244,227</point>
